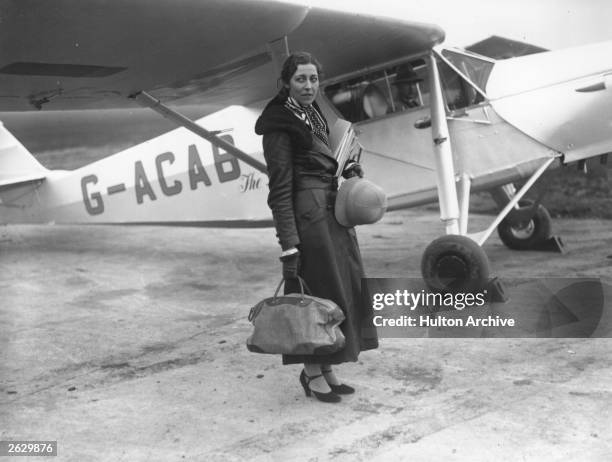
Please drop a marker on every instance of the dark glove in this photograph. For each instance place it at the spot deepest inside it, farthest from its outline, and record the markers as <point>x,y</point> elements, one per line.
<point>291,264</point>
<point>352,169</point>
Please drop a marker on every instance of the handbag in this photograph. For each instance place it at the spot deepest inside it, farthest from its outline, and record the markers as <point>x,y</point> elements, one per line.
<point>296,324</point>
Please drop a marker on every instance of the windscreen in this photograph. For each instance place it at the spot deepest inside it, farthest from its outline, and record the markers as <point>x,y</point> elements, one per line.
<point>474,68</point>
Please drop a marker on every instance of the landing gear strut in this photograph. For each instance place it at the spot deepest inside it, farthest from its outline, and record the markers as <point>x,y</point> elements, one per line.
<point>454,262</point>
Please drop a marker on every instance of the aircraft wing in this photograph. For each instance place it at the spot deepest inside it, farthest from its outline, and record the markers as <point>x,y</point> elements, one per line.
<point>75,54</point>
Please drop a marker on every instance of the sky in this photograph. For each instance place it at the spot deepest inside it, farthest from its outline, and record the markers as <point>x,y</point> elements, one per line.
<point>550,24</point>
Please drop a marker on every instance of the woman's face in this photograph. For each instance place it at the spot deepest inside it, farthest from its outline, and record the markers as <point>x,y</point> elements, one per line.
<point>304,84</point>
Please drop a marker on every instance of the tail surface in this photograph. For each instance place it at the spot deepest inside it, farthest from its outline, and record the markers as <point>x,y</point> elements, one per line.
<point>17,164</point>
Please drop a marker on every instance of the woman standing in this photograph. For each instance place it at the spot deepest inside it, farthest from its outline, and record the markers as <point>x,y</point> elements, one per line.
<point>303,187</point>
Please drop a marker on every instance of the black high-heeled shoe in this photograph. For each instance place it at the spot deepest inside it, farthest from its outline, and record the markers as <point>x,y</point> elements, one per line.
<point>341,389</point>
<point>329,397</point>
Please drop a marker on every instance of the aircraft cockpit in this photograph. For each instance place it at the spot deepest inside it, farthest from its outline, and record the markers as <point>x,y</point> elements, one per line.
<point>375,94</point>
<point>404,86</point>
<point>391,108</point>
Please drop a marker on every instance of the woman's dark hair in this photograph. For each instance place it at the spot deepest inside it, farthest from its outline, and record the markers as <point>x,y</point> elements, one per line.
<point>291,64</point>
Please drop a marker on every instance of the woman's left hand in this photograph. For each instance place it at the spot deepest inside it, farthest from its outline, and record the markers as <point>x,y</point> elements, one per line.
<point>291,265</point>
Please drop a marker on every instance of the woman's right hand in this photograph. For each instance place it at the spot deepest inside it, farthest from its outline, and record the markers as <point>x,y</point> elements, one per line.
<point>352,169</point>
<point>291,263</point>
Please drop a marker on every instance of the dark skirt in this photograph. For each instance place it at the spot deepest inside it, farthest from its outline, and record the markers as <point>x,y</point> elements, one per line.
<point>331,265</point>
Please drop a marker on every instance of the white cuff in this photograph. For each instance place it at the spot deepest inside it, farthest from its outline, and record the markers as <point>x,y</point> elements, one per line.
<point>291,251</point>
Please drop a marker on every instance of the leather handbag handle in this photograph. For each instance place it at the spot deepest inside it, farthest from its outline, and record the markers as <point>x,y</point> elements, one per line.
<point>302,285</point>
<point>254,311</point>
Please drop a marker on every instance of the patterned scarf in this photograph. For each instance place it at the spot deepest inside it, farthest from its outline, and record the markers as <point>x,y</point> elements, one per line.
<point>313,119</point>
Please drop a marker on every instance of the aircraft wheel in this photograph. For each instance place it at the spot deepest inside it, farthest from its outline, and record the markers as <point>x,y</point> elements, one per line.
<point>525,234</point>
<point>455,263</point>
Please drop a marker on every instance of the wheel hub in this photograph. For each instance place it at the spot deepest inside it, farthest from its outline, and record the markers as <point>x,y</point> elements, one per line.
<point>523,230</point>
<point>452,269</point>
<point>454,263</point>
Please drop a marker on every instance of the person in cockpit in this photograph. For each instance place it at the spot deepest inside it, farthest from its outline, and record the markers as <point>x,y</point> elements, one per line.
<point>406,82</point>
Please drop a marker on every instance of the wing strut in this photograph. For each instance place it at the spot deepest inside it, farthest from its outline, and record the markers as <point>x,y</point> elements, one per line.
<point>443,155</point>
<point>482,236</point>
<point>146,100</point>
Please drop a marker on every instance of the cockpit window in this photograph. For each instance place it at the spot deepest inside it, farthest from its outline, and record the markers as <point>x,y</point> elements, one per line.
<point>405,87</point>
<point>376,94</point>
<point>475,68</point>
<point>458,91</point>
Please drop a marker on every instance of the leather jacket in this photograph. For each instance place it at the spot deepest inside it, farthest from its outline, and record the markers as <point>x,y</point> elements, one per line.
<point>296,160</point>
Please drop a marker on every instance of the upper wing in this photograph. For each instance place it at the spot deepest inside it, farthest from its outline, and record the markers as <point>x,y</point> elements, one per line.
<point>75,54</point>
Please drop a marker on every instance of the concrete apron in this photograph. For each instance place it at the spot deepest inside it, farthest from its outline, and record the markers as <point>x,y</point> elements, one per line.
<point>127,343</point>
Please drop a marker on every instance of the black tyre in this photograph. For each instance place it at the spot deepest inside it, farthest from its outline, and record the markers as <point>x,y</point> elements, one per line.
<point>525,234</point>
<point>455,263</point>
